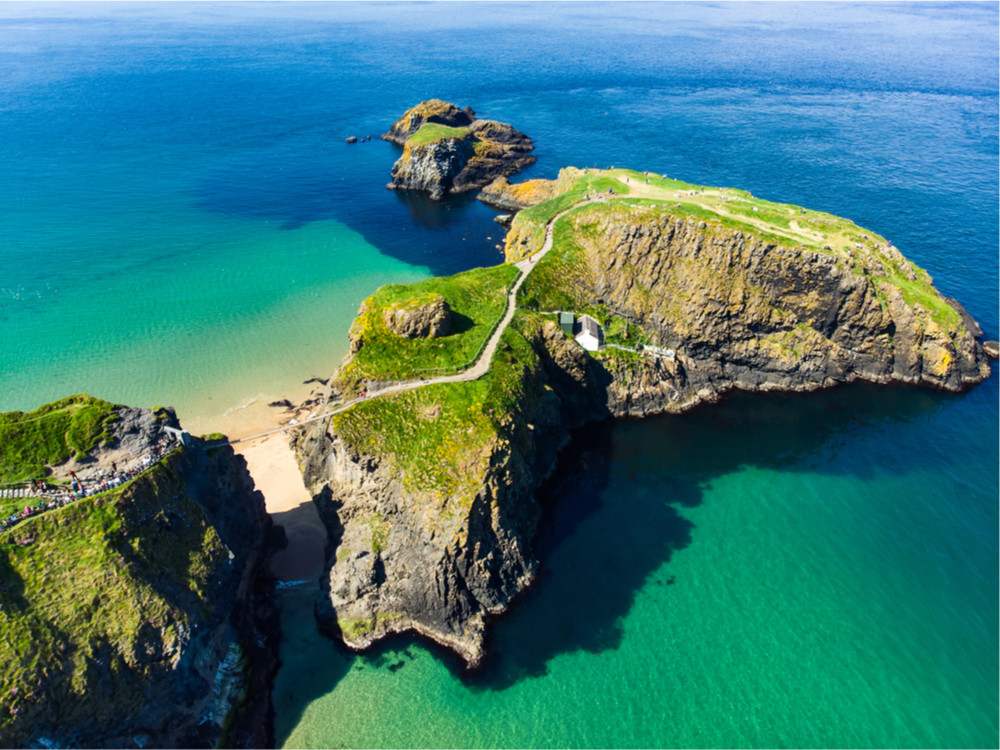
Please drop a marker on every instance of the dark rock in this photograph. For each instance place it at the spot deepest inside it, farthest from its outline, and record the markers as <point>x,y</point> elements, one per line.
<point>455,164</point>
<point>282,403</point>
<point>351,139</point>
<point>970,323</point>
<point>992,349</point>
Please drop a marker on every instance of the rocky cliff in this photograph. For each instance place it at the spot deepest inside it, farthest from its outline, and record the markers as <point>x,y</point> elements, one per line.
<point>132,617</point>
<point>448,152</point>
<point>428,494</point>
<point>735,310</point>
<point>427,497</point>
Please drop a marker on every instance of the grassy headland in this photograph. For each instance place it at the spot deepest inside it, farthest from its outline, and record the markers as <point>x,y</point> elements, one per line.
<point>477,298</point>
<point>51,435</point>
<point>643,197</point>
<point>97,599</point>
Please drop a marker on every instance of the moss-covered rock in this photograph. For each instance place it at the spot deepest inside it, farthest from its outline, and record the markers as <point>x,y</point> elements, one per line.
<point>426,316</point>
<point>448,152</point>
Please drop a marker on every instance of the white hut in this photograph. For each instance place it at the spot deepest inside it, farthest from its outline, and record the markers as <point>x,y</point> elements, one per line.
<point>588,333</point>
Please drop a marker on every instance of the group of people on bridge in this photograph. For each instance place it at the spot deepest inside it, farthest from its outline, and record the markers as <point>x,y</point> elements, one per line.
<point>45,497</point>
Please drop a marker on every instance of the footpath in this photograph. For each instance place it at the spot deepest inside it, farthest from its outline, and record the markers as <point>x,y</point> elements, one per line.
<point>473,372</point>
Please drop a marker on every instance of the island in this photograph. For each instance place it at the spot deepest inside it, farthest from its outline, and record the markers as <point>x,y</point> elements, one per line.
<point>137,608</point>
<point>448,152</point>
<point>624,293</point>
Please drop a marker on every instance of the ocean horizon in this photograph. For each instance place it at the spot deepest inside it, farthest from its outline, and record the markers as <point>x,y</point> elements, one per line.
<point>184,224</point>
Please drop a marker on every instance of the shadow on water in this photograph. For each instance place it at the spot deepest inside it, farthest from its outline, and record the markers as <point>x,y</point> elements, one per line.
<point>613,516</point>
<point>347,184</point>
<point>613,509</point>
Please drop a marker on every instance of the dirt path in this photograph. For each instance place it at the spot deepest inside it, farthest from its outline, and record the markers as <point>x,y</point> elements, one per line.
<point>476,371</point>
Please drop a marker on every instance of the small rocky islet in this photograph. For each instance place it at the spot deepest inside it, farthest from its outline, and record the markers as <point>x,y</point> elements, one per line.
<point>147,606</point>
<point>448,152</point>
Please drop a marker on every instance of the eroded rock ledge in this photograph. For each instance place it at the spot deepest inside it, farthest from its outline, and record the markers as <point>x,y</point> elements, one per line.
<point>447,151</point>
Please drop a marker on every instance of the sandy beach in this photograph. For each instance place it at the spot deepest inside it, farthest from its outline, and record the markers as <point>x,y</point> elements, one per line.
<point>276,474</point>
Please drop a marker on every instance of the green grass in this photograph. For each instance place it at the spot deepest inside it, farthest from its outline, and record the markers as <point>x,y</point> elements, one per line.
<point>529,224</point>
<point>98,598</point>
<point>51,435</point>
<point>925,296</point>
<point>478,299</point>
<point>437,437</point>
<point>431,132</point>
<point>559,282</point>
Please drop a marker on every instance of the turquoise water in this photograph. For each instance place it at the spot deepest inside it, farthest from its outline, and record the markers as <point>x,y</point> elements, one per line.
<point>183,223</point>
<point>764,573</point>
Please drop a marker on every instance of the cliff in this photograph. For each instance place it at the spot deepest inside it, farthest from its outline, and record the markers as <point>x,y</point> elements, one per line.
<point>428,493</point>
<point>446,151</point>
<point>752,295</point>
<point>131,616</point>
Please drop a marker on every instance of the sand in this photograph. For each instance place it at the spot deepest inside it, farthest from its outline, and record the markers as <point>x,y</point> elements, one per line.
<point>276,474</point>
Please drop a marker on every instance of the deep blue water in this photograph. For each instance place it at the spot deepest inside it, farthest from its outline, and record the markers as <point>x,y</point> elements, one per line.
<point>183,223</point>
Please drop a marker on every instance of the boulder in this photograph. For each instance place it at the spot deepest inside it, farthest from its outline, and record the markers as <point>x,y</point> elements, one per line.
<point>422,319</point>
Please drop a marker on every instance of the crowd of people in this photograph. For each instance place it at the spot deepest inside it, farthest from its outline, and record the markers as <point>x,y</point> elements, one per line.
<point>49,496</point>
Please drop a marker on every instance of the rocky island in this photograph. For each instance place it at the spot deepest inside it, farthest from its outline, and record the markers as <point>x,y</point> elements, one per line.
<point>131,599</point>
<point>447,151</point>
<point>624,293</point>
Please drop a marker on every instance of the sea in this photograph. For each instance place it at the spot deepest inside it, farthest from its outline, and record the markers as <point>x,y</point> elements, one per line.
<point>182,223</point>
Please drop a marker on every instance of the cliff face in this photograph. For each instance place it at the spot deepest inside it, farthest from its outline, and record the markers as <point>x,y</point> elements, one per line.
<point>131,617</point>
<point>428,494</point>
<point>437,539</point>
<point>448,152</point>
<point>742,312</point>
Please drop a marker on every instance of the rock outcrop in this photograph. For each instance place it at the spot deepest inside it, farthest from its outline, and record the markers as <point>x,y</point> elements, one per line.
<point>448,152</point>
<point>738,311</point>
<point>508,196</point>
<point>425,319</point>
<point>420,549</point>
<point>145,610</point>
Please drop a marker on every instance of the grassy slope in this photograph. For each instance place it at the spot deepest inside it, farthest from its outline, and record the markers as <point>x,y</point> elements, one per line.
<point>779,223</point>
<point>431,132</point>
<point>51,435</point>
<point>98,596</point>
<point>477,299</point>
<point>437,437</point>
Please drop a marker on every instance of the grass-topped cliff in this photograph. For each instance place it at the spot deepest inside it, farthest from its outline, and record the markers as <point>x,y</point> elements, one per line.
<point>684,261</point>
<point>476,299</point>
<point>116,607</point>
<point>427,491</point>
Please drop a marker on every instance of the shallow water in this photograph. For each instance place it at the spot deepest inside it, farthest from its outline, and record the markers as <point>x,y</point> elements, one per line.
<point>183,223</point>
